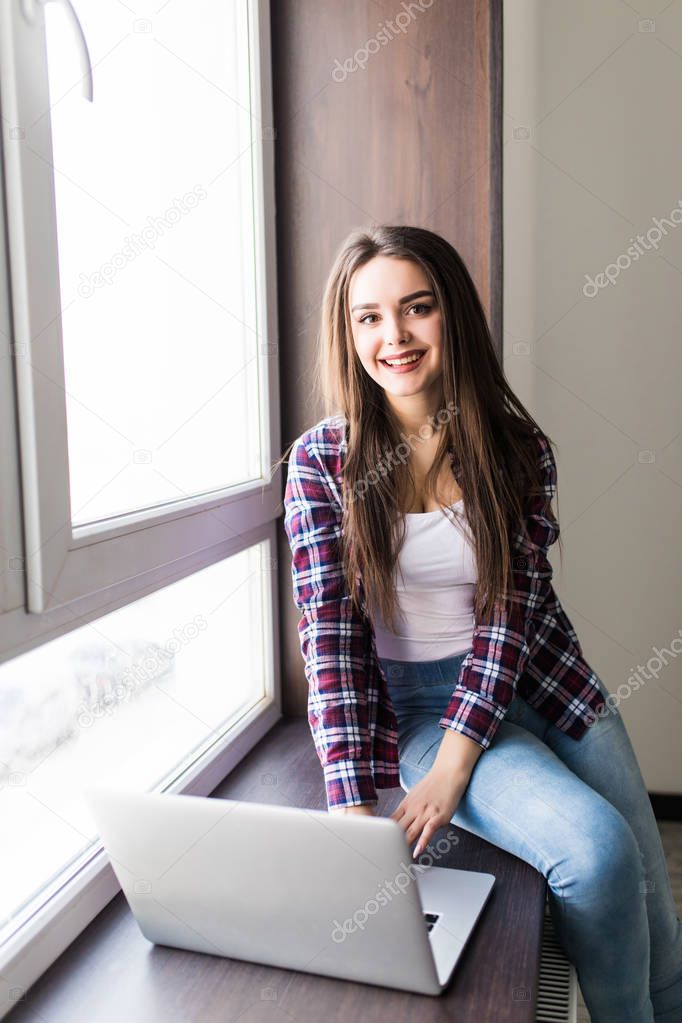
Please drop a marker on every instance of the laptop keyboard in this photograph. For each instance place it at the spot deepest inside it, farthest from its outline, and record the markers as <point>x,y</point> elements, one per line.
<point>430,920</point>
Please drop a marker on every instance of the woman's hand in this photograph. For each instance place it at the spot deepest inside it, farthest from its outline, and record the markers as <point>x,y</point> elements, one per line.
<point>431,803</point>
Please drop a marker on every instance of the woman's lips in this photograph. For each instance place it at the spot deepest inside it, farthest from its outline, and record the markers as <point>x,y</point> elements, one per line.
<point>406,368</point>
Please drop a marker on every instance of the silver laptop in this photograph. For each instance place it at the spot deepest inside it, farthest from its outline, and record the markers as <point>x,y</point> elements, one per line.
<point>327,893</point>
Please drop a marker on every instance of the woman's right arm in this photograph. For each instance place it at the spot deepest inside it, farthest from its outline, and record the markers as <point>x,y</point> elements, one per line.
<point>332,634</point>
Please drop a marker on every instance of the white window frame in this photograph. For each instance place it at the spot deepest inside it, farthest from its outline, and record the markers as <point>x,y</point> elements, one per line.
<point>64,564</point>
<point>42,595</point>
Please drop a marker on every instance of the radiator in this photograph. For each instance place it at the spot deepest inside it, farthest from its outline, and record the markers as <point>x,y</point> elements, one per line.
<point>558,982</point>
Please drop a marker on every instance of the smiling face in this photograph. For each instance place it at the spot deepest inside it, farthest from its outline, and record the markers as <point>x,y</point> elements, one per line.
<point>394,313</point>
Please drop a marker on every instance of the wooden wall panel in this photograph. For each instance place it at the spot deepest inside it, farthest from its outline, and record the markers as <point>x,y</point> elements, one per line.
<point>413,136</point>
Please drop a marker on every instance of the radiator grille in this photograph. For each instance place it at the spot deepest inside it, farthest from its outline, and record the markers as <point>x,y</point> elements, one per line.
<point>558,983</point>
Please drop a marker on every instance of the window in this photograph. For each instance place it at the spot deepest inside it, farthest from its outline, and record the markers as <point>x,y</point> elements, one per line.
<point>139,377</point>
<point>130,698</point>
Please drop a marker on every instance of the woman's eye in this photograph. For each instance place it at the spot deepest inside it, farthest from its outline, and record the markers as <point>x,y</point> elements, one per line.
<point>417,305</point>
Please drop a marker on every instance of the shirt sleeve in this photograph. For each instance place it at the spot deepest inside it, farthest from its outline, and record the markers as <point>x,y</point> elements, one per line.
<point>333,636</point>
<point>490,672</point>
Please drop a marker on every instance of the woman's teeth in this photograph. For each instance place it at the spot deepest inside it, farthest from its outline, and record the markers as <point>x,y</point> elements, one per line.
<point>405,361</point>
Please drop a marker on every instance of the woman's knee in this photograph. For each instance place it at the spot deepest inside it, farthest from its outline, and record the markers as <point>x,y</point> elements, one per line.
<point>603,859</point>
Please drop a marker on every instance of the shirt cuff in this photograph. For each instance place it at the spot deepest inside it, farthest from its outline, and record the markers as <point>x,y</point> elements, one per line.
<point>349,783</point>
<point>473,715</point>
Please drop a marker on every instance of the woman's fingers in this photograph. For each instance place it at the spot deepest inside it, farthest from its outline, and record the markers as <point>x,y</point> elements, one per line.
<point>411,823</point>
<point>417,824</point>
<point>414,829</point>
<point>432,824</point>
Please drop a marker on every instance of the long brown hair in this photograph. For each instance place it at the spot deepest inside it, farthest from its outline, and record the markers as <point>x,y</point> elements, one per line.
<point>486,434</point>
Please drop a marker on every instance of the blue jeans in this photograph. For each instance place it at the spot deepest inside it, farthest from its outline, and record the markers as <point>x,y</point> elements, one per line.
<point>579,812</point>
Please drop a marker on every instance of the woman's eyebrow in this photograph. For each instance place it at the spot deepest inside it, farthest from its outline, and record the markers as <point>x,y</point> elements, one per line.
<point>401,301</point>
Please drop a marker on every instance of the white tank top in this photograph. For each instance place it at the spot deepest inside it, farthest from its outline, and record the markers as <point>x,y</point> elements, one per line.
<point>436,590</point>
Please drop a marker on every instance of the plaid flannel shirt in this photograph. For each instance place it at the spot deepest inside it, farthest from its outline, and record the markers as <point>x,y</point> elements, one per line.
<point>529,648</point>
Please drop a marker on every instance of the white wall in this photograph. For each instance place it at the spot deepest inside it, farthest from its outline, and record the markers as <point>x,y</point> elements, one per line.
<point>592,158</point>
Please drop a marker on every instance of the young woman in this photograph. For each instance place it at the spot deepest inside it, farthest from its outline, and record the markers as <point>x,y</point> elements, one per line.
<point>437,653</point>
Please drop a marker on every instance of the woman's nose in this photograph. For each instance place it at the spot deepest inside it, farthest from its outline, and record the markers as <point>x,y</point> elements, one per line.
<point>394,332</point>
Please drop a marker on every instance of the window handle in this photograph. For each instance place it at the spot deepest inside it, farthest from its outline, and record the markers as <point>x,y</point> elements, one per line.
<point>29,12</point>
